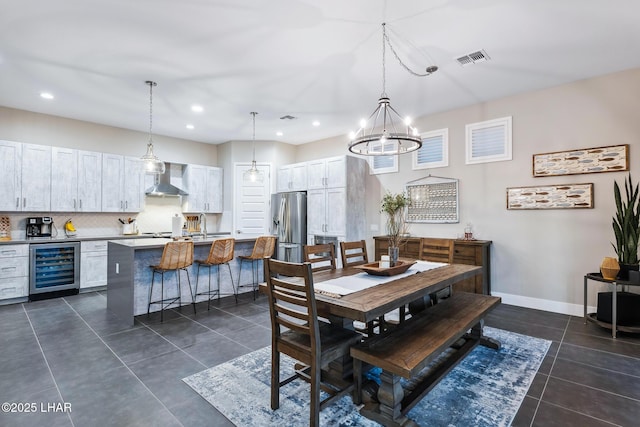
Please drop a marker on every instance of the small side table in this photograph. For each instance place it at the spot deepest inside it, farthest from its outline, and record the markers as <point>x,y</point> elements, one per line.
<point>614,302</point>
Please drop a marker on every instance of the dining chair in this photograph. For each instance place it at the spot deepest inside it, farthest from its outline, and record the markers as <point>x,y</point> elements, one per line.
<point>263,247</point>
<point>321,257</point>
<point>353,253</point>
<point>435,250</point>
<point>297,332</point>
<point>221,253</point>
<point>176,256</point>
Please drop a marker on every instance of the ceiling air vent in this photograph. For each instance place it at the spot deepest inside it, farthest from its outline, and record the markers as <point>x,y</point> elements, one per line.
<point>472,58</point>
<point>287,117</point>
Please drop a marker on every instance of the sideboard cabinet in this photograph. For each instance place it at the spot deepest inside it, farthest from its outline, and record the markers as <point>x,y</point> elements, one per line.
<point>472,252</point>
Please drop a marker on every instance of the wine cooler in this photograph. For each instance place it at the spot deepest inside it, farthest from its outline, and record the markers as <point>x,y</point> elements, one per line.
<point>54,267</point>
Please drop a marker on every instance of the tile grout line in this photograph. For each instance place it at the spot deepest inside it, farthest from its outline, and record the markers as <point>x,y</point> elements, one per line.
<point>46,361</point>
<point>122,361</point>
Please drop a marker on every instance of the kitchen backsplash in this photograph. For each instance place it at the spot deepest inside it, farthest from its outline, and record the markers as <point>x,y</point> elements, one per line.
<point>156,217</point>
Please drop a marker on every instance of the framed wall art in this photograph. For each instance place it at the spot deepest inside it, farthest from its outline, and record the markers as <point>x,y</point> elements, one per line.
<point>562,196</point>
<point>614,158</point>
<point>433,200</point>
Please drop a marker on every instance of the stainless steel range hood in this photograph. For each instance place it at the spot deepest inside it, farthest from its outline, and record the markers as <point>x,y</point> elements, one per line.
<point>162,186</point>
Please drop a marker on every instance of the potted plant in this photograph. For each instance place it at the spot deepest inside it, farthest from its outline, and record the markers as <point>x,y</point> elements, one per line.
<point>626,227</point>
<point>393,205</point>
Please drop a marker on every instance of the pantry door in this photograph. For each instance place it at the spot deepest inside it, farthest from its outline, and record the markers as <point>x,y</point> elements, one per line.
<point>252,202</point>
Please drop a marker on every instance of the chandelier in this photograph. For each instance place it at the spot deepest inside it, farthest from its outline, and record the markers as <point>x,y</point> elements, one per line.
<point>151,164</point>
<point>385,132</point>
<point>253,174</point>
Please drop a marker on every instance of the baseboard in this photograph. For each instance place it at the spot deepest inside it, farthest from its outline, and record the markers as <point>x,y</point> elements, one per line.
<point>544,304</point>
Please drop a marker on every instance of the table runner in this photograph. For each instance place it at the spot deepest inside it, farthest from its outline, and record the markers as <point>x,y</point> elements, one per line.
<point>348,284</point>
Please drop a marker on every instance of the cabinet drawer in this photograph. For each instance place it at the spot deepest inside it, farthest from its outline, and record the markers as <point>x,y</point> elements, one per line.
<point>465,255</point>
<point>14,288</point>
<point>9,251</point>
<point>93,246</point>
<point>14,267</point>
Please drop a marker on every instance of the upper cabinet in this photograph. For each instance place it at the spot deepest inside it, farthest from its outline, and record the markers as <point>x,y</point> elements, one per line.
<point>76,180</point>
<point>327,173</point>
<point>10,176</point>
<point>122,184</point>
<point>89,181</point>
<point>292,177</point>
<point>204,185</point>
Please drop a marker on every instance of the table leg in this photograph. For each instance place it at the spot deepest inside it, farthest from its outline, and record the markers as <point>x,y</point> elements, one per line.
<point>585,300</point>
<point>614,310</point>
<point>388,412</point>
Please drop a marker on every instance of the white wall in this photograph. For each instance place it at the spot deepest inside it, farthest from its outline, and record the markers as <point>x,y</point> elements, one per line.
<point>539,257</point>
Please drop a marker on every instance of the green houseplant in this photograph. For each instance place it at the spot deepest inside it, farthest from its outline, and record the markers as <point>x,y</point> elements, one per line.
<point>394,205</point>
<point>626,225</point>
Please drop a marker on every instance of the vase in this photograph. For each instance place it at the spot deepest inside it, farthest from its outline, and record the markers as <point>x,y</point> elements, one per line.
<point>623,274</point>
<point>609,268</point>
<point>393,255</point>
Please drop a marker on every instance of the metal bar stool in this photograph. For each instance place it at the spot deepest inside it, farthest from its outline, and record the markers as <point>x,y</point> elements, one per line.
<point>221,253</point>
<point>264,247</point>
<point>176,256</point>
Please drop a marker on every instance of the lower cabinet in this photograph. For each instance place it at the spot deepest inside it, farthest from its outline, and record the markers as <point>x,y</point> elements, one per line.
<point>471,252</point>
<point>14,271</point>
<point>93,263</point>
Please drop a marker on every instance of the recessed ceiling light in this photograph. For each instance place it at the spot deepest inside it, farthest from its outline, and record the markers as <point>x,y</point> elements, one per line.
<point>316,123</point>
<point>197,108</point>
<point>46,95</point>
<point>190,126</point>
<point>279,133</point>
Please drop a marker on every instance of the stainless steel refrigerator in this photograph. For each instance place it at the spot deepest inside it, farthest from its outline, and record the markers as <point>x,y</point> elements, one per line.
<point>289,224</point>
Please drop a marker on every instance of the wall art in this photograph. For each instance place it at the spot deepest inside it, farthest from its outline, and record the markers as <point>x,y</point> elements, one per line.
<point>562,196</point>
<point>614,158</point>
<point>433,200</point>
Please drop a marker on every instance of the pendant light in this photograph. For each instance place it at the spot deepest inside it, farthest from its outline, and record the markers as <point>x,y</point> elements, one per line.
<point>152,165</point>
<point>253,174</point>
<point>378,135</point>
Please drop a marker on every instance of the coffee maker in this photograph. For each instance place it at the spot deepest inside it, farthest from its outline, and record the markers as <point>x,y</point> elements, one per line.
<point>39,226</point>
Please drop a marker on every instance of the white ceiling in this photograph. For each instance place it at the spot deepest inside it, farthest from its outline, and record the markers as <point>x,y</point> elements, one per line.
<point>315,60</point>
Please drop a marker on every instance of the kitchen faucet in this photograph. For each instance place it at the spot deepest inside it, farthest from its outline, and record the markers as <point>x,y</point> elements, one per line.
<point>203,220</point>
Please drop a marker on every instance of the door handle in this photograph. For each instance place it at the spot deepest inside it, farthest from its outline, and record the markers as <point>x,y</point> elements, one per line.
<point>238,232</point>
<point>80,203</point>
<point>17,202</point>
<point>24,202</point>
<point>74,203</point>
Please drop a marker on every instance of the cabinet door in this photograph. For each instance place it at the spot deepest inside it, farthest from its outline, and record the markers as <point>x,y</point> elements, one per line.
<point>336,212</point>
<point>298,177</point>
<point>112,179</point>
<point>214,190</point>
<point>93,269</point>
<point>133,185</point>
<point>36,178</point>
<point>10,176</point>
<point>316,174</point>
<point>336,172</point>
<point>316,209</point>
<point>89,181</point>
<point>283,179</point>
<point>196,182</point>
<point>64,180</point>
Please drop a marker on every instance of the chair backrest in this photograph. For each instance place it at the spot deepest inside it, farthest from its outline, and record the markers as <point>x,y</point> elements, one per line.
<point>353,253</point>
<point>221,251</point>
<point>321,257</point>
<point>264,247</point>
<point>292,304</point>
<point>177,255</point>
<point>437,250</point>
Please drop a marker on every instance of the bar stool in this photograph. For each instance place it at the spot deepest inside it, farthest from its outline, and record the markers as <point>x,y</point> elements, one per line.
<point>176,256</point>
<point>264,247</point>
<point>221,252</point>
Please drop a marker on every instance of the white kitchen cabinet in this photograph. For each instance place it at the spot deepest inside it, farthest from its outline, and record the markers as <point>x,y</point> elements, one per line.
<point>292,177</point>
<point>10,176</point>
<point>93,263</point>
<point>122,184</point>
<point>204,185</point>
<point>14,271</point>
<point>36,178</point>
<point>64,179</point>
<point>89,181</point>
<point>326,212</point>
<point>328,173</point>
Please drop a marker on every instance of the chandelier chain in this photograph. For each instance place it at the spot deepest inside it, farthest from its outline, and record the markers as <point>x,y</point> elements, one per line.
<point>386,37</point>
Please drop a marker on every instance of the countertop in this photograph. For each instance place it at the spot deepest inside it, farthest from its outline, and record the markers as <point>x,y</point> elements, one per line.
<point>150,243</point>
<point>210,238</point>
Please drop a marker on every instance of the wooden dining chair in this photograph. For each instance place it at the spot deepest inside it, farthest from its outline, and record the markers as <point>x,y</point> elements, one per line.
<point>353,253</point>
<point>435,250</point>
<point>321,257</point>
<point>297,332</point>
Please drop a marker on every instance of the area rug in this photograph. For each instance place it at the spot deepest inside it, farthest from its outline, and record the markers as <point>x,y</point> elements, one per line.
<point>485,389</point>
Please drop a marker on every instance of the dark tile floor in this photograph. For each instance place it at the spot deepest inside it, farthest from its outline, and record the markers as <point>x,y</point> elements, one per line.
<point>72,350</point>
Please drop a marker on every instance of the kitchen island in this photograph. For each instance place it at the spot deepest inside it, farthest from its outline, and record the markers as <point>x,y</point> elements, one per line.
<point>129,275</point>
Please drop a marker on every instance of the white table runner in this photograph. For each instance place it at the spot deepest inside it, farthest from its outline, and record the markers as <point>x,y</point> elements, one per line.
<point>358,282</point>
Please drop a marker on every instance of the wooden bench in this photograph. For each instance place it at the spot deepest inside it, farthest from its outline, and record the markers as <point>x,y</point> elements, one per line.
<point>435,339</point>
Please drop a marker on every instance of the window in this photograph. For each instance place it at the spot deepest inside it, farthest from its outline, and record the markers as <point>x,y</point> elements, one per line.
<point>489,141</point>
<point>383,164</point>
<point>434,152</point>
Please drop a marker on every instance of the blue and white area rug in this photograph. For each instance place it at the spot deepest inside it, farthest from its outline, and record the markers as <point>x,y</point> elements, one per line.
<point>485,389</point>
